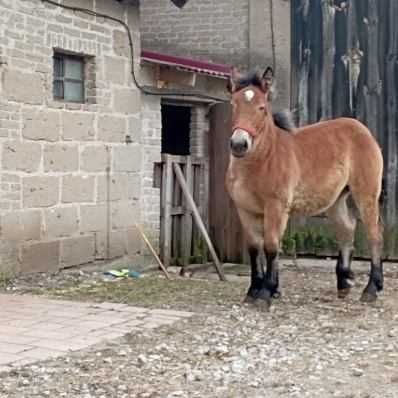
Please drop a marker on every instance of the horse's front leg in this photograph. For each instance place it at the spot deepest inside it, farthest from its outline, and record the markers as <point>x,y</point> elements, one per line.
<point>275,221</point>
<point>254,231</point>
<point>256,275</point>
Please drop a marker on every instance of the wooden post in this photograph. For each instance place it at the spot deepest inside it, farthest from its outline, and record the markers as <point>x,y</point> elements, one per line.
<point>198,219</point>
<point>167,193</point>
<point>187,218</point>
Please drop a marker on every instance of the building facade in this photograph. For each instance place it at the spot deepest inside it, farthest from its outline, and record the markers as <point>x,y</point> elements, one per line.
<point>243,33</point>
<point>71,187</point>
<point>79,140</point>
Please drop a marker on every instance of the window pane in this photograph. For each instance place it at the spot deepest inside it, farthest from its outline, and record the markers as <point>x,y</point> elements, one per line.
<point>58,67</point>
<point>58,89</point>
<point>73,68</point>
<point>74,91</point>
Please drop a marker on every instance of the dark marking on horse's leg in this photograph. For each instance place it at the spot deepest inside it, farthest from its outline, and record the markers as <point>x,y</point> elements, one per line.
<point>375,284</point>
<point>271,280</point>
<point>345,276</point>
<point>257,276</point>
<point>270,283</point>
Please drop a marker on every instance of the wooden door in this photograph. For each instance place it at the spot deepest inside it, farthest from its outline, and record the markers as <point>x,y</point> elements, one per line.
<point>225,229</point>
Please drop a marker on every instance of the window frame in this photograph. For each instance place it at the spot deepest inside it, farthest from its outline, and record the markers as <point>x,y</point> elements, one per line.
<point>60,57</point>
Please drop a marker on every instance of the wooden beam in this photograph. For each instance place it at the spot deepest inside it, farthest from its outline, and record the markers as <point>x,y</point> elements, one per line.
<point>198,219</point>
<point>180,77</point>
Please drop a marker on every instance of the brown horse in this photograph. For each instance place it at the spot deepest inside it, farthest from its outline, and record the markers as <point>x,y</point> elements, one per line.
<point>315,169</point>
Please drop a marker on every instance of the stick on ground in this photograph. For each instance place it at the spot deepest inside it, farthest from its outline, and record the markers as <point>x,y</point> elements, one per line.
<point>152,251</point>
<point>198,219</point>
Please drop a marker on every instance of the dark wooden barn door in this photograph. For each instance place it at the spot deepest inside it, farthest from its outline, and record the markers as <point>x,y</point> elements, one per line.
<point>344,63</point>
<point>225,228</point>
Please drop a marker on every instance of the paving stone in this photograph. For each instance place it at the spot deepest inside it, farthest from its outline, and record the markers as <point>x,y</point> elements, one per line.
<point>34,329</point>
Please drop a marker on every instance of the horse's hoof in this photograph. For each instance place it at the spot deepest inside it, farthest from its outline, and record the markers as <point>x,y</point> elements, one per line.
<point>343,293</point>
<point>277,294</point>
<point>249,300</point>
<point>368,297</point>
<point>263,305</point>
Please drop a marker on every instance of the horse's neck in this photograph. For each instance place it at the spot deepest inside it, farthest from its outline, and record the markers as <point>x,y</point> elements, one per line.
<point>266,145</point>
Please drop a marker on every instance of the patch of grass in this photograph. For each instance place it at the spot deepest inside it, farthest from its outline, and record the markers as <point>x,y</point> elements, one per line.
<point>154,292</point>
<point>5,278</point>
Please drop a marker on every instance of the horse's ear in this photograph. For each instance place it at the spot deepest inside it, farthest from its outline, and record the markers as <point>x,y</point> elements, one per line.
<point>267,79</point>
<point>235,75</point>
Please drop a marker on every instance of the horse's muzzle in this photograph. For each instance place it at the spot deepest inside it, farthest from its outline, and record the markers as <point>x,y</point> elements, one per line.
<point>240,143</point>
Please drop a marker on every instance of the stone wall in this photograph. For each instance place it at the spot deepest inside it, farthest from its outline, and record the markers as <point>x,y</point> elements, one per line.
<point>70,187</point>
<point>207,29</point>
<point>151,147</point>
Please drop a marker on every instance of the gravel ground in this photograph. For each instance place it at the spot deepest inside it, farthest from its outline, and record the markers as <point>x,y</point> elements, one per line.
<point>310,344</point>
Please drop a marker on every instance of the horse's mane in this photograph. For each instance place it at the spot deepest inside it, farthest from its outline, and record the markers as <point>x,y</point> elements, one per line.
<point>252,78</point>
<point>282,119</point>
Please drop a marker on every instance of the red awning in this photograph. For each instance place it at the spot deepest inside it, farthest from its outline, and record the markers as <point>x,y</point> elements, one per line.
<point>188,64</point>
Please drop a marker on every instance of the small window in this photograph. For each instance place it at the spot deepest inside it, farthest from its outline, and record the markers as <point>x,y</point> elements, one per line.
<point>68,78</point>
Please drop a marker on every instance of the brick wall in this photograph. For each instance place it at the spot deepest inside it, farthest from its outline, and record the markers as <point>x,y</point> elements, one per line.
<point>215,30</point>
<point>235,32</point>
<point>70,187</point>
<point>151,146</point>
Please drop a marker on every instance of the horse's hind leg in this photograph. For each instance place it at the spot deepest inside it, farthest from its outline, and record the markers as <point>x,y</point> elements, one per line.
<point>368,205</point>
<point>370,217</point>
<point>343,219</point>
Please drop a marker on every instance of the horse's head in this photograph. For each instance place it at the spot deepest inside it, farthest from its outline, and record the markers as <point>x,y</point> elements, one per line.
<point>251,111</point>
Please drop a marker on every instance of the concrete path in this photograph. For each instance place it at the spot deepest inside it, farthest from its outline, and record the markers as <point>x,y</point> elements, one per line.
<point>34,328</point>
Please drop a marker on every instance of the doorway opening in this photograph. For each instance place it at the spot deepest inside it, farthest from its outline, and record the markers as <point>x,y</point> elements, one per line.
<point>176,121</point>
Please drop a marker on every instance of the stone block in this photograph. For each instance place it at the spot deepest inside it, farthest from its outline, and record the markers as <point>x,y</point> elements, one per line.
<point>127,101</point>
<point>77,189</point>
<point>94,158</point>
<point>87,4</point>
<point>61,158</point>
<point>60,222</point>
<point>77,251</point>
<point>40,257</point>
<point>41,125</point>
<point>115,70</point>
<point>78,126</point>
<point>40,191</point>
<point>124,214</point>
<point>93,218</point>
<point>134,241</point>
<point>113,9</point>
<point>114,187</point>
<point>133,18</point>
<point>127,158</point>
<point>134,129</point>
<point>21,156</point>
<point>134,186</point>
<point>21,225</point>
<point>112,246</point>
<point>112,129</point>
<point>120,43</point>
<point>27,88</point>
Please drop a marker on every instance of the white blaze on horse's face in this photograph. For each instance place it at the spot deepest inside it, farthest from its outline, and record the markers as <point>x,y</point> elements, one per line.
<point>249,95</point>
<point>241,143</point>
